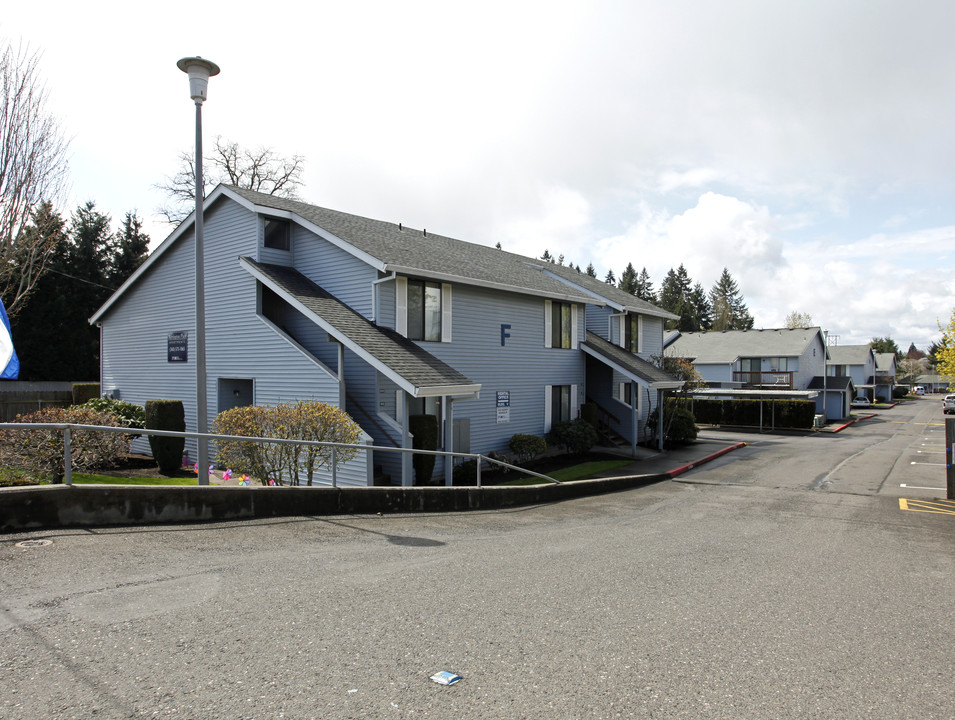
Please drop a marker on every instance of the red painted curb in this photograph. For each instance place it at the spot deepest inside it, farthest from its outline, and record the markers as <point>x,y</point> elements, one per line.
<point>853,422</point>
<point>684,468</point>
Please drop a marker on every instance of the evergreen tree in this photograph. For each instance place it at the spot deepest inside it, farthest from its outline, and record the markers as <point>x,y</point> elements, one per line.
<point>591,270</point>
<point>643,288</point>
<point>729,310</point>
<point>547,257</point>
<point>36,248</point>
<point>702,311</point>
<point>129,248</point>
<point>610,279</point>
<point>54,339</point>
<point>886,345</point>
<point>675,296</point>
<point>628,280</point>
<point>933,351</point>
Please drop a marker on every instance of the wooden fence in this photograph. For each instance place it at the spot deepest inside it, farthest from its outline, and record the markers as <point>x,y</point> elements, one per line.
<point>17,398</point>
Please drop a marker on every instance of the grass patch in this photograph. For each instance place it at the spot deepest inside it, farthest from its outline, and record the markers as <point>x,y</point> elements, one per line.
<point>575,472</point>
<point>87,479</point>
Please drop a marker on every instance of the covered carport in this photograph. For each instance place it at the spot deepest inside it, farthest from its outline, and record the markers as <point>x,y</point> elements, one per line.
<point>740,393</point>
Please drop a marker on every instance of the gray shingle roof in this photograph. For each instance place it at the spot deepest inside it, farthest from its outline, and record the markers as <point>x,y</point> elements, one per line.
<point>410,251</point>
<point>884,361</point>
<point>396,354</point>
<point>833,382</point>
<point>849,354</point>
<point>611,292</point>
<point>717,347</point>
<point>642,371</point>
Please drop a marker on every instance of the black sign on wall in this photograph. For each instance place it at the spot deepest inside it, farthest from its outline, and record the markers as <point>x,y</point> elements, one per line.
<point>177,347</point>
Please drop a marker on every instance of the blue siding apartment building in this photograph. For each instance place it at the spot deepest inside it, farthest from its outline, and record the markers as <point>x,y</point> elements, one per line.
<point>384,321</point>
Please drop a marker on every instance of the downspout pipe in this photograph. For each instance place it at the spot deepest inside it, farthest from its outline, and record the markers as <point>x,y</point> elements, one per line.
<point>374,294</point>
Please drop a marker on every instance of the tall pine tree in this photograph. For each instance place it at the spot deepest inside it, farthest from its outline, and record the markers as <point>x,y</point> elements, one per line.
<point>628,280</point>
<point>129,248</point>
<point>675,296</point>
<point>54,339</point>
<point>702,312</point>
<point>644,288</point>
<point>729,310</point>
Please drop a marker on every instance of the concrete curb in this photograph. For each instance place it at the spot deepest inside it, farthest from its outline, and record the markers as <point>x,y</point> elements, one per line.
<point>676,472</point>
<point>61,506</point>
<point>853,422</point>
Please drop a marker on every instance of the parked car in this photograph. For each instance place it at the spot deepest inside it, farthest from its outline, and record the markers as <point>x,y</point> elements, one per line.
<point>919,390</point>
<point>948,405</point>
<point>861,402</point>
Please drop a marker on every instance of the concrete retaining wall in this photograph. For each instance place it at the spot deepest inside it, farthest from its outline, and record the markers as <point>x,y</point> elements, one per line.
<point>60,506</point>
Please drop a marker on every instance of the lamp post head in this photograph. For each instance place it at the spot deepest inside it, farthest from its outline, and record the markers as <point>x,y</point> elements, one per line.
<point>199,71</point>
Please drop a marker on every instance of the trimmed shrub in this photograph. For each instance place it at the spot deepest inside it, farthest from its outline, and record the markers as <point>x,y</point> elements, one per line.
<point>465,473</point>
<point>84,392</point>
<point>127,414</point>
<point>285,463</point>
<point>576,436</point>
<point>682,427</point>
<point>679,423</point>
<point>424,429</point>
<point>40,452</point>
<point>527,447</point>
<point>166,415</point>
<point>899,391</point>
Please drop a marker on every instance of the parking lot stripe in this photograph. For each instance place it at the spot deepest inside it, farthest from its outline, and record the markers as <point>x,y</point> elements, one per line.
<point>938,507</point>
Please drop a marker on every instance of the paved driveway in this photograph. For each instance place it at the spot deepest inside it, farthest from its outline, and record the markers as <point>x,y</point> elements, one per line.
<point>736,594</point>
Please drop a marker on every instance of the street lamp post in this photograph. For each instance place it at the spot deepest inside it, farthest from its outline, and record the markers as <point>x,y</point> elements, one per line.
<point>199,71</point>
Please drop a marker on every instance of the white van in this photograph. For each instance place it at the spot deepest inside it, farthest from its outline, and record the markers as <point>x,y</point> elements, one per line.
<point>919,390</point>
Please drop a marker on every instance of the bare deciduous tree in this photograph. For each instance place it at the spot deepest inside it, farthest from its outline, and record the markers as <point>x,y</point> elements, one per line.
<point>797,319</point>
<point>33,170</point>
<point>261,170</point>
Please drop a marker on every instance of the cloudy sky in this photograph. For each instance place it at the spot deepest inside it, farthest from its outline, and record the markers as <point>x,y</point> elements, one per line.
<point>806,146</point>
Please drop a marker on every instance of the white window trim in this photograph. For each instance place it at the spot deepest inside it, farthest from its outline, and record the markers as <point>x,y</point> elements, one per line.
<point>574,344</point>
<point>548,325</point>
<point>445,313</point>
<point>401,305</point>
<point>548,392</point>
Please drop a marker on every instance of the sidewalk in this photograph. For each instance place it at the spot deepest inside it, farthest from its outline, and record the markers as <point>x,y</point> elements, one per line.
<point>675,461</point>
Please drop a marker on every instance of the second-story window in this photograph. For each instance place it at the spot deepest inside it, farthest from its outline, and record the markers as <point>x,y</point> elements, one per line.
<point>561,325</point>
<point>632,327</point>
<point>277,234</point>
<point>424,310</point>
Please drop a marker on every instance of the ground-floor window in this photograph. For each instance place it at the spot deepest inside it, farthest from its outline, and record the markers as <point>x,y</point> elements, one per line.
<point>559,404</point>
<point>234,392</point>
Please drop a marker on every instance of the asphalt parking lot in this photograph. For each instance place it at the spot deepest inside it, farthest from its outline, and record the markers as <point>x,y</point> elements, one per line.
<point>746,588</point>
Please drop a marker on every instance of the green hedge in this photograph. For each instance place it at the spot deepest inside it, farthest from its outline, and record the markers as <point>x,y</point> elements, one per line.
<point>84,392</point>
